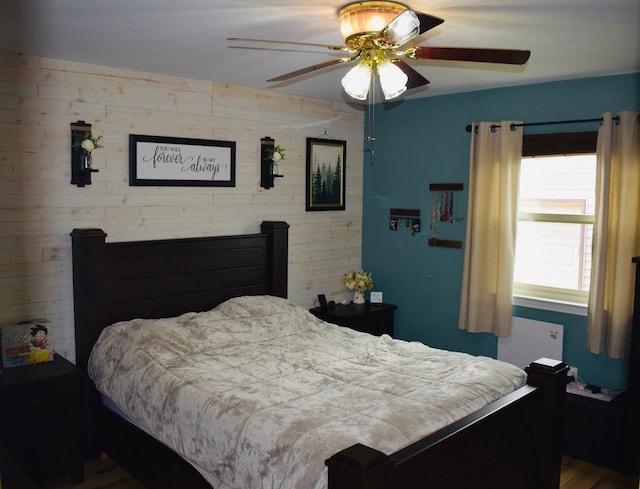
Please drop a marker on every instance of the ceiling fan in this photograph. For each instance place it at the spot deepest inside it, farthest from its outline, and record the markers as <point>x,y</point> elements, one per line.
<point>376,34</point>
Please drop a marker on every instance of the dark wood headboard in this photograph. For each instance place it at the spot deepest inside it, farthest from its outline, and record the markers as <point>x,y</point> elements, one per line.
<point>163,278</point>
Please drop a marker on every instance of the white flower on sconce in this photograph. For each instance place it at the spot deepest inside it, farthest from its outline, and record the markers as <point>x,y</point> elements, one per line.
<point>276,154</point>
<point>88,145</point>
<point>86,142</point>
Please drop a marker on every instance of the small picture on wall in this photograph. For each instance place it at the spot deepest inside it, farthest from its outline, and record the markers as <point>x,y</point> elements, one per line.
<point>326,165</point>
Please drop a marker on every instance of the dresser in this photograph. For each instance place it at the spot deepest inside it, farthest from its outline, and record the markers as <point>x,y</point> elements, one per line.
<point>40,418</point>
<point>375,319</point>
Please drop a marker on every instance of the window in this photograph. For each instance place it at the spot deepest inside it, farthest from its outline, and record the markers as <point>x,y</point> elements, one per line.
<point>556,201</point>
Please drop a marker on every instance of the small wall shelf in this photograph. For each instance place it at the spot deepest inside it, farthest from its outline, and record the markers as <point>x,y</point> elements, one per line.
<point>409,217</point>
<point>445,243</point>
<point>438,187</point>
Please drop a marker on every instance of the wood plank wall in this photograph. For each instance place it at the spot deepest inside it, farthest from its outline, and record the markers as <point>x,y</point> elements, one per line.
<point>40,97</point>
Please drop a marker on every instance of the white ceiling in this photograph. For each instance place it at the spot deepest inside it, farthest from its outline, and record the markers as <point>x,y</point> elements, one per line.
<point>188,38</point>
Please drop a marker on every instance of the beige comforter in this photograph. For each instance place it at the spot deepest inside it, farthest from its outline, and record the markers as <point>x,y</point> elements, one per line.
<point>258,392</point>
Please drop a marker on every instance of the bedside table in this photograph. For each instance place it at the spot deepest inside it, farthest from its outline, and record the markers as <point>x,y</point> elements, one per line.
<point>593,429</point>
<point>40,418</point>
<point>375,319</point>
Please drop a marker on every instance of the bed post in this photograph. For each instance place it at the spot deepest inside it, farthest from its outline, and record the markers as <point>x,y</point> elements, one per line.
<point>88,289</point>
<point>89,264</point>
<point>359,467</point>
<point>551,377</point>
<point>277,253</point>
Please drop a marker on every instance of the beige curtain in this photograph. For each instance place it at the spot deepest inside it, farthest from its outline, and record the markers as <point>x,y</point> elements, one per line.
<point>487,283</point>
<point>616,234</point>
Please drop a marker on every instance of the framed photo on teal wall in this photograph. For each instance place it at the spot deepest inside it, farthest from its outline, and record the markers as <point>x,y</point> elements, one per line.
<point>326,168</point>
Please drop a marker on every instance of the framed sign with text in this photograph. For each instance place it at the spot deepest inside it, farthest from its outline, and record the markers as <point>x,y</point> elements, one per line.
<point>167,161</point>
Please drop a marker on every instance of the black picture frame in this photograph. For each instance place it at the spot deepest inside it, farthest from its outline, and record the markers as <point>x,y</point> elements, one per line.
<point>326,174</point>
<point>181,162</point>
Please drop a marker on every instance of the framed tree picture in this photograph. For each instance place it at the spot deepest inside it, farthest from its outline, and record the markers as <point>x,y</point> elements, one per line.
<point>326,167</point>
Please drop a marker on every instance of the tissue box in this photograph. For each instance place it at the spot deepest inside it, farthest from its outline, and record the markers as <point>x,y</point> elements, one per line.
<point>26,343</point>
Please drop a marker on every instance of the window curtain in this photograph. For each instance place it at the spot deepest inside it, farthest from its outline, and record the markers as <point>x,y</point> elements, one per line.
<point>487,283</point>
<point>616,234</point>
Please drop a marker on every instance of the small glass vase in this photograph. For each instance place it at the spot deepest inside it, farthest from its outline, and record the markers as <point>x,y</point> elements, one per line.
<point>358,297</point>
<point>85,160</point>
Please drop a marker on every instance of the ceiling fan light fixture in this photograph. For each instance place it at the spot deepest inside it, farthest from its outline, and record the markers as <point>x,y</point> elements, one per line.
<point>393,80</point>
<point>367,17</point>
<point>357,81</point>
<point>403,28</point>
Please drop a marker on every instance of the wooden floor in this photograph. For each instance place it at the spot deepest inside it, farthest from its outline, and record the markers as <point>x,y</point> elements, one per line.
<point>576,474</point>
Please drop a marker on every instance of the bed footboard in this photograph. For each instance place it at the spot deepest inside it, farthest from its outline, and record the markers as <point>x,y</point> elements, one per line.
<point>515,442</point>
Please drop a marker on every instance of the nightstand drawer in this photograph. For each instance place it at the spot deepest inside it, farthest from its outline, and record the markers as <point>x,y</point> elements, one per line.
<point>376,324</point>
<point>26,408</point>
<point>375,319</point>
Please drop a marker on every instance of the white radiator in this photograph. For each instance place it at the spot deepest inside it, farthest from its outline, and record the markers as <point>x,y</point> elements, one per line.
<point>529,341</point>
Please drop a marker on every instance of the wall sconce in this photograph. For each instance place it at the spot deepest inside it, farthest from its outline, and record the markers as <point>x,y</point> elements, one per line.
<point>268,165</point>
<point>81,160</point>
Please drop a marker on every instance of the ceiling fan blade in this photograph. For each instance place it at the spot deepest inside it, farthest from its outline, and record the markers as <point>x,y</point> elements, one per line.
<point>480,55</point>
<point>428,22</point>
<point>295,43</point>
<point>415,79</point>
<point>310,69</point>
<point>408,25</point>
<point>283,49</point>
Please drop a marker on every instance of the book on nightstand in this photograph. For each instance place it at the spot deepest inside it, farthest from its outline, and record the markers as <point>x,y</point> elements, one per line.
<point>26,343</point>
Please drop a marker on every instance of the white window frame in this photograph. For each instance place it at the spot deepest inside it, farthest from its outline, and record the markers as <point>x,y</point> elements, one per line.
<point>551,298</point>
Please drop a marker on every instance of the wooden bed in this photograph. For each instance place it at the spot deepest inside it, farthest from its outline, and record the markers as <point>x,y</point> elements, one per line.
<point>515,442</point>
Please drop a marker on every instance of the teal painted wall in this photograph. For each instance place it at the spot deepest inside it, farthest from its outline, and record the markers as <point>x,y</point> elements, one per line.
<point>424,141</point>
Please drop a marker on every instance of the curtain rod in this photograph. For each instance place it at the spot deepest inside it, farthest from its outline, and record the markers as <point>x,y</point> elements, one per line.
<point>548,123</point>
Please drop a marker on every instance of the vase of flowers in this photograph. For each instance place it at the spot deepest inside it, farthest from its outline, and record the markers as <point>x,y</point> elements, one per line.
<point>87,144</point>
<point>275,154</point>
<point>359,281</point>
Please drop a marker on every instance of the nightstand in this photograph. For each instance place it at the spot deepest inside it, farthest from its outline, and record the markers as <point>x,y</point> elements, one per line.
<point>375,319</point>
<point>40,418</point>
<point>593,429</point>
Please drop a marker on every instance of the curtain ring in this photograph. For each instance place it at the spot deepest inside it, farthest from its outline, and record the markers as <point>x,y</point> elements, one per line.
<point>494,128</point>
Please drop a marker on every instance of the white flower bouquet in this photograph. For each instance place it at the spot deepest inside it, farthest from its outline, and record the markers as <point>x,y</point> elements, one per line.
<point>358,280</point>
<point>87,142</point>
<point>276,154</point>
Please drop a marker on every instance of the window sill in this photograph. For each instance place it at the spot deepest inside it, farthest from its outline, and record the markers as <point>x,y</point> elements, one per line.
<point>549,305</point>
